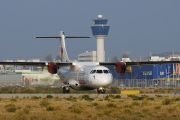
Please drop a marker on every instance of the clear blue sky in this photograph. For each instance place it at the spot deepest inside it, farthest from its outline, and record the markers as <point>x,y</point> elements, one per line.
<point>138,26</point>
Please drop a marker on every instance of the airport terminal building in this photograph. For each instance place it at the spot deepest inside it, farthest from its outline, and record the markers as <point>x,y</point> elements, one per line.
<point>156,75</point>
<point>165,75</point>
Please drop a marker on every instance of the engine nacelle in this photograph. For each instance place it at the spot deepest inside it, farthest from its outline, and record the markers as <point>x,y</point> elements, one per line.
<point>122,68</point>
<point>52,68</point>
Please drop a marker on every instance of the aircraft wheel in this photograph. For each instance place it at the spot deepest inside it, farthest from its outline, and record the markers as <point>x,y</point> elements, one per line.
<point>66,89</point>
<point>98,91</point>
<point>104,91</point>
<point>101,90</point>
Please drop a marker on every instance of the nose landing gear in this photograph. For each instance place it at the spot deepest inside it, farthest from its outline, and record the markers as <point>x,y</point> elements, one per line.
<point>66,89</point>
<point>101,90</point>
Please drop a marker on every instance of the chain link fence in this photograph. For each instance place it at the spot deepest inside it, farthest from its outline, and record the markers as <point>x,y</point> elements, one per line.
<point>129,83</point>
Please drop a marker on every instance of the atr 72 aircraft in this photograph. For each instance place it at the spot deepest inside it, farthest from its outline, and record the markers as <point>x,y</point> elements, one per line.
<point>82,75</point>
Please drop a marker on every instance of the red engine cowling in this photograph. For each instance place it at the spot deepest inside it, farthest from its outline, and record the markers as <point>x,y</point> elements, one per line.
<point>52,68</point>
<point>120,67</point>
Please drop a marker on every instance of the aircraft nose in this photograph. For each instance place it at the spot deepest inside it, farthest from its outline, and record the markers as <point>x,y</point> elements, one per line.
<point>107,81</point>
<point>102,80</point>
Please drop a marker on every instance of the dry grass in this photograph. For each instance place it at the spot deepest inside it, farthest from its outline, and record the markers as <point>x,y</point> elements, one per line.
<point>87,109</point>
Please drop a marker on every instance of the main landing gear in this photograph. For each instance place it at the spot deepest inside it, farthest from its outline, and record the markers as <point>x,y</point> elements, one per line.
<point>66,89</point>
<point>101,90</point>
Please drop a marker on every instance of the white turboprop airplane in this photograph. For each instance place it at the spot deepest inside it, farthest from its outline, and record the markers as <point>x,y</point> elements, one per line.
<point>82,75</point>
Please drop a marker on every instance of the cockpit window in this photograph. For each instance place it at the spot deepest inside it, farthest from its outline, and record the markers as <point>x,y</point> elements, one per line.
<point>93,71</point>
<point>106,71</point>
<point>99,71</point>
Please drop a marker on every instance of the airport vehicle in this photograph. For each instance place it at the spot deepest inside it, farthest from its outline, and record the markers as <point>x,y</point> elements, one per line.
<point>82,75</point>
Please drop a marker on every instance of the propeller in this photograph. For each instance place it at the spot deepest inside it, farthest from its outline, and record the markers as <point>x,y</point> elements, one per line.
<point>114,58</point>
<point>52,77</point>
<point>125,58</point>
<point>58,57</point>
<point>126,54</point>
<point>48,57</point>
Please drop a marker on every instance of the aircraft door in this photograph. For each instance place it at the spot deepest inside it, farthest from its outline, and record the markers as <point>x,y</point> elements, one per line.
<point>92,76</point>
<point>81,78</point>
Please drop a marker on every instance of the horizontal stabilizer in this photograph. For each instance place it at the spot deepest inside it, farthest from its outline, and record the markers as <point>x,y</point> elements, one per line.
<point>46,37</point>
<point>65,37</point>
<point>77,37</point>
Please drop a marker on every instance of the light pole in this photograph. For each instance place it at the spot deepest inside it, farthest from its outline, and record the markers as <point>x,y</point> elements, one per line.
<point>144,73</point>
<point>157,75</point>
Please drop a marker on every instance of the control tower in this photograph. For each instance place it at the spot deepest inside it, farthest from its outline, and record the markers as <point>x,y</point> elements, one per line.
<point>100,29</point>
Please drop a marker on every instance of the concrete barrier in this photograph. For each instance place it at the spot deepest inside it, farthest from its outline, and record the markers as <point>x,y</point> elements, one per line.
<point>130,92</point>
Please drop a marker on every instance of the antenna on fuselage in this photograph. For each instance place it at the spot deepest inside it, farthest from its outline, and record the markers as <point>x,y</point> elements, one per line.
<point>63,51</point>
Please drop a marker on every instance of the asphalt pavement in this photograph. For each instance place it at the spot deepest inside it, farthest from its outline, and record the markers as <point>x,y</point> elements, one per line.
<point>79,95</point>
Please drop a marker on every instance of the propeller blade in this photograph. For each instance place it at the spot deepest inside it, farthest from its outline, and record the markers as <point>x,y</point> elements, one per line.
<point>58,57</point>
<point>113,58</point>
<point>48,57</point>
<point>126,54</point>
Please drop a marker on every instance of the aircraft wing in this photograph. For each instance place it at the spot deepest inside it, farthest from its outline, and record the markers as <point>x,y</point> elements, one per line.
<point>100,63</point>
<point>150,62</point>
<point>122,67</point>
<point>34,63</point>
<point>139,63</point>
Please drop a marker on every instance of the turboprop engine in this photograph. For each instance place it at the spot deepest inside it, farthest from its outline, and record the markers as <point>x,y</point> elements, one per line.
<point>52,67</point>
<point>122,67</point>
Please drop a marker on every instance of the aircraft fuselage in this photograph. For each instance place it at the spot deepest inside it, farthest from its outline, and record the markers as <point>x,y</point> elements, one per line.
<point>86,77</point>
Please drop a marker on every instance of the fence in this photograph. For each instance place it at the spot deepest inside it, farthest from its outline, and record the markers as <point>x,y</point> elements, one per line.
<point>162,83</point>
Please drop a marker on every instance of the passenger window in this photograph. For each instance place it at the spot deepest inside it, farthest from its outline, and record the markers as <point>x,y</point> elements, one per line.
<point>106,71</point>
<point>99,71</point>
<point>93,71</point>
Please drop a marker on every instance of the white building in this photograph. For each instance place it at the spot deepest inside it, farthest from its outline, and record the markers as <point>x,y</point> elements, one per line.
<point>88,56</point>
<point>157,58</point>
<point>125,59</point>
<point>19,68</point>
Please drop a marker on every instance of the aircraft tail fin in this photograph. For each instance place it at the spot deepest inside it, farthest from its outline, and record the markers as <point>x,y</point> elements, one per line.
<point>63,52</point>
